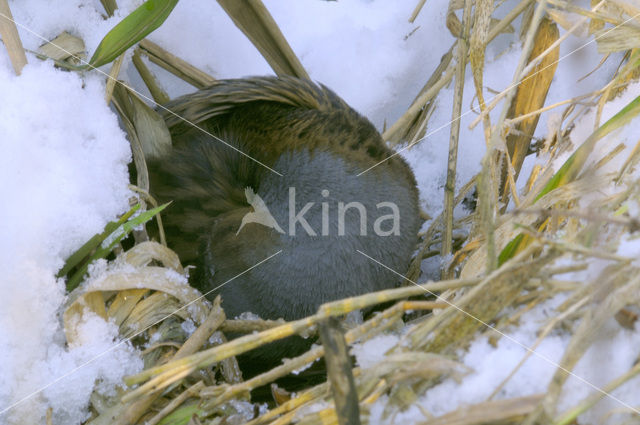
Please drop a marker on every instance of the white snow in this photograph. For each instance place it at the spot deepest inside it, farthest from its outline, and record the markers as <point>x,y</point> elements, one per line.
<point>64,176</point>
<point>372,351</point>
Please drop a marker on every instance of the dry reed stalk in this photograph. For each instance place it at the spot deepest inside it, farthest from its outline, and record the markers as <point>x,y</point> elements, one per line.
<point>510,17</point>
<point>110,6</point>
<point>255,21</point>
<point>440,78</point>
<point>502,411</point>
<point>478,46</point>
<point>532,64</point>
<point>449,190</point>
<point>112,78</point>
<point>122,104</point>
<point>403,375</point>
<point>162,376</point>
<point>572,414</point>
<point>615,290</point>
<point>416,129</point>
<point>339,373</point>
<point>417,10</point>
<point>133,411</point>
<point>541,336</point>
<point>248,326</point>
<point>489,176</point>
<point>511,122</point>
<point>157,92</point>
<point>373,326</point>
<point>175,65</point>
<point>11,38</point>
<point>482,304</point>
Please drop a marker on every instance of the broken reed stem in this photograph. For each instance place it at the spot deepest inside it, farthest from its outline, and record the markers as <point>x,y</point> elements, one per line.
<point>450,186</point>
<point>417,10</point>
<point>175,65</point>
<point>110,6</point>
<point>159,95</point>
<point>418,104</point>
<point>255,21</point>
<point>339,375</point>
<point>487,199</point>
<point>11,38</point>
<point>205,330</point>
<point>429,107</point>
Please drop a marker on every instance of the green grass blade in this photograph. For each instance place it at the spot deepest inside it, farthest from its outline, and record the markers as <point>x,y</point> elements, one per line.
<point>182,415</point>
<point>114,232</point>
<point>513,247</point>
<point>142,21</point>
<point>86,249</point>
<point>572,167</point>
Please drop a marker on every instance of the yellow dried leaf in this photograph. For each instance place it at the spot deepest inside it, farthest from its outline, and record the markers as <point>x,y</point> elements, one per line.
<point>531,96</point>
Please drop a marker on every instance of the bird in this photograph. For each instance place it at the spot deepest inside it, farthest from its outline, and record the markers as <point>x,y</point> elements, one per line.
<point>333,188</point>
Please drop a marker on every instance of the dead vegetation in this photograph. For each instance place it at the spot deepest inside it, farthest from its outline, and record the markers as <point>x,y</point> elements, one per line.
<point>512,260</point>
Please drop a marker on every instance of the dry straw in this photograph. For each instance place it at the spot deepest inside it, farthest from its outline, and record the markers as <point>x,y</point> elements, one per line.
<point>506,263</point>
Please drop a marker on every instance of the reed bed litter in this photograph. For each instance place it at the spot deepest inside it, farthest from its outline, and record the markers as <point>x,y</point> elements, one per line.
<point>566,246</point>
